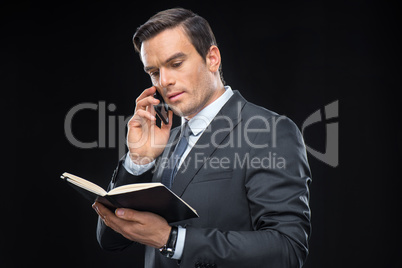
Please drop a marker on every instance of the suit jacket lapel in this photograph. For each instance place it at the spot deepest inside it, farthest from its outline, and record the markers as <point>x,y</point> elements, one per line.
<point>220,127</point>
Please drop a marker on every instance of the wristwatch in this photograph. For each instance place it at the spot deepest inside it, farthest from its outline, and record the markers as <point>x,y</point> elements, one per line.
<point>168,249</point>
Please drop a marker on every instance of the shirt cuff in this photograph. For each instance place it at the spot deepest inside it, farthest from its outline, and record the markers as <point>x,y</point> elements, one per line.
<point>135,169</point>
<point>181,237</point>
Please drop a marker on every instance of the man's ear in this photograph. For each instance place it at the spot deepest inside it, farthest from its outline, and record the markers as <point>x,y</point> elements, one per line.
<point>213,59</point>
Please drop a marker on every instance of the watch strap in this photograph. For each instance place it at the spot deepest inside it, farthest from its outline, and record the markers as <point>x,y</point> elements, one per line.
<point>169,249</point>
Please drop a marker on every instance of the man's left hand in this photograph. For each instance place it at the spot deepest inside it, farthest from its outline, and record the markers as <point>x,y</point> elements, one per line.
<point>144,227</point>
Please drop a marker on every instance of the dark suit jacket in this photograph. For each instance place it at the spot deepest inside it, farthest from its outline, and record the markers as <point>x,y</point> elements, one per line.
<point>248,179</point>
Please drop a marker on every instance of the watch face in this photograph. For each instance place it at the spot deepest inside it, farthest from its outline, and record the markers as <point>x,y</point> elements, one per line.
<point>165,251</point>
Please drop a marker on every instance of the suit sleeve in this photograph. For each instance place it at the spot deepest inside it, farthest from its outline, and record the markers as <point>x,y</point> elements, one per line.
<point>108,239</point>
<point>279,209</point>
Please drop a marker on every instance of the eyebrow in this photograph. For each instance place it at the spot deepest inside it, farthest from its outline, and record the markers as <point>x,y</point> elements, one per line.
<point>171,58</point>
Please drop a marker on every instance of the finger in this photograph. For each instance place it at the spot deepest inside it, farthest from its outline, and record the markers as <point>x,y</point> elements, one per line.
<point>107,216</point>
<point>152,111</point>
<point>167,127</point>
<point>101,210</point>
<point>144,114</point>
<point>146,102</point>
<point>127,214</point>
<point>151,108</point>
<point>149,92</point>
<point>95,206</point>
<point>141,217</point>
<point>141,119</point>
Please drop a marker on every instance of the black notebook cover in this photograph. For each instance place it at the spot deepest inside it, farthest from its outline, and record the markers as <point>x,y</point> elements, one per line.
<point>159,200</point>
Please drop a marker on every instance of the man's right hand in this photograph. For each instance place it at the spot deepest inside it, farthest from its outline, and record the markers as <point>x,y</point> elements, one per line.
<point>145,140</point>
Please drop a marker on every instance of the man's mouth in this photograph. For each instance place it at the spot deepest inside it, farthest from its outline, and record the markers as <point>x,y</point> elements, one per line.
<point>174,96</point>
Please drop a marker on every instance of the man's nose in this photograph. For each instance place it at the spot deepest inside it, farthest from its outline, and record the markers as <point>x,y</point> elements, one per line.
<point>166,78</point>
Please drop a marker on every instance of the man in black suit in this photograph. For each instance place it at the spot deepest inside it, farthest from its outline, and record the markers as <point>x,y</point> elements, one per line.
<point>243,168</point>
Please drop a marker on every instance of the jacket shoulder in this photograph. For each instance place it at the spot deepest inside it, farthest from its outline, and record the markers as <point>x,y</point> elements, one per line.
<point>252,112</point>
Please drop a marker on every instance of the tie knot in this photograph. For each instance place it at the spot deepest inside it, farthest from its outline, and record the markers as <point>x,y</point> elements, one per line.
<point>186,130</point>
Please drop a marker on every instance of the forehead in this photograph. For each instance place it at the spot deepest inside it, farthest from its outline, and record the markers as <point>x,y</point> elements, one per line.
<point>160,47</point>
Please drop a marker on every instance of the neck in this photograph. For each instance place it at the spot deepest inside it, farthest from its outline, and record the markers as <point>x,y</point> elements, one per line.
<point>219,90</point>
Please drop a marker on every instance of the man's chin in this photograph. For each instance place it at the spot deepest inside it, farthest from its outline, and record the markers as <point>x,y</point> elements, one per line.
<point>182,112</point>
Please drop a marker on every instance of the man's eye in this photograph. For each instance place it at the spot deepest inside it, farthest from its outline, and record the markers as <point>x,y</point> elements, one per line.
<point>154,74</point>
<point>177,64</point>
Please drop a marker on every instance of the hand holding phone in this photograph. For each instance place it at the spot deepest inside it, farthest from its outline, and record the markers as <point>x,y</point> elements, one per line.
<point>145,140</point>
<point>162,108</point>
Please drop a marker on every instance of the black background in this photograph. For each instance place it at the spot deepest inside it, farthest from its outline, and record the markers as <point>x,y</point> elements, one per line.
<point>293,57</point>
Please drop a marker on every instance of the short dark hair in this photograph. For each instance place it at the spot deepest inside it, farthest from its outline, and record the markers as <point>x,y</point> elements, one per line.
<point>196,27</point>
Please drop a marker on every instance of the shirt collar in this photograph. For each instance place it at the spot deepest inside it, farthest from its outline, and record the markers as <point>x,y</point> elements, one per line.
<point>201,120</point>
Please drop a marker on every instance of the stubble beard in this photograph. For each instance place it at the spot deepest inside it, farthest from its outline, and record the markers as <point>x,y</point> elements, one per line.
<point>194,104</point>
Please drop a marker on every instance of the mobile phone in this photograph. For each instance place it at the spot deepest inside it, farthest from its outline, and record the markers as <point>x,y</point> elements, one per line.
<point>162,108</point>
